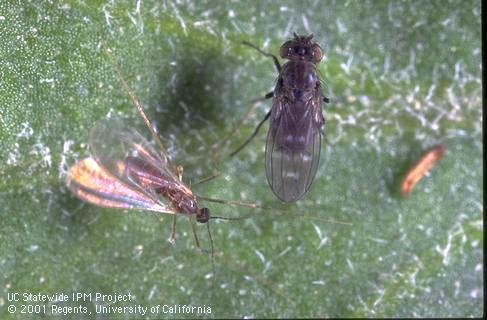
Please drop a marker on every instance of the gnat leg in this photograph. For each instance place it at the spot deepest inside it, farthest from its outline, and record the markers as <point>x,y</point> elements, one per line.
<point>172,239</point>
<point>196,241</point>
<point>180,171</point>
<point>231,202</point>
<point>206,179</point>
<point>212,252</point>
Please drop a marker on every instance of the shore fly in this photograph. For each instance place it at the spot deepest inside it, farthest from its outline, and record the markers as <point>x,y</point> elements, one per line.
<point>420,168</point>
<point>126,171</point>
<point>292,151</point>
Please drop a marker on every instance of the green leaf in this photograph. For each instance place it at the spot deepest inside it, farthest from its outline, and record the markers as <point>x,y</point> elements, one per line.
<point>402,77</point>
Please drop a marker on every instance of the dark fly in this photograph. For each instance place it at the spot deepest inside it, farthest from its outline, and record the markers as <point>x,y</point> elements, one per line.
<point>296,120</point>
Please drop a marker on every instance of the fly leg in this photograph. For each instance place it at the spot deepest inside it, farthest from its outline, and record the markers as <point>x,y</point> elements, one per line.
<point>267,96</point>
<point>322,129</point>
<point>270,55</point>
<point>228,139</point>
<point>252,136</point>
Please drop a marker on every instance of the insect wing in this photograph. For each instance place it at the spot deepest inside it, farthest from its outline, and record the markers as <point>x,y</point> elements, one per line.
<point>293,148</point>
<point>144,167</point>
<point>92,183</point>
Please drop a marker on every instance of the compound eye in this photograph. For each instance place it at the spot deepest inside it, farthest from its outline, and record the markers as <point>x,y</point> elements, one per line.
<point>286,49</point>
<point>317,54</point>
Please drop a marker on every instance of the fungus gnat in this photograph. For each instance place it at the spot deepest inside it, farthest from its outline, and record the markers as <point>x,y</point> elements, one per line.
<point>293,144</point>
<point>127,171</point>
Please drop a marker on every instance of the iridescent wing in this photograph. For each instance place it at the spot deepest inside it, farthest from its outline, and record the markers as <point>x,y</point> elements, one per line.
<point>92,183</point>
<point>111,141</point>
<point>146,168</point>
<point>293,147</point>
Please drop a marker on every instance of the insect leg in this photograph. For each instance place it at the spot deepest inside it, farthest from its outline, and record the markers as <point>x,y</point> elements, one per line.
<point>228,139</point>
<point>252,136</point>
<point>212,252</point>
<point>276,62</point>
<point>172,239</point>
<point>267,96</point>
<point>196,241</point>
<point>281,211</point>
<point>180,171</point>
<point>213,176</point>
<point>232,202</point>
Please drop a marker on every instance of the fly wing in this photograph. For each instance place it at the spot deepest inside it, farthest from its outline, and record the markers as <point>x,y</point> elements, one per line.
<point>144,168</point>
<point>92,183</point>
<point>293,147</point>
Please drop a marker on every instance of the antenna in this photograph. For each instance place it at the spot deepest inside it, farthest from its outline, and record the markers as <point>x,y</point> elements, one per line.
<point>136,103</point>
